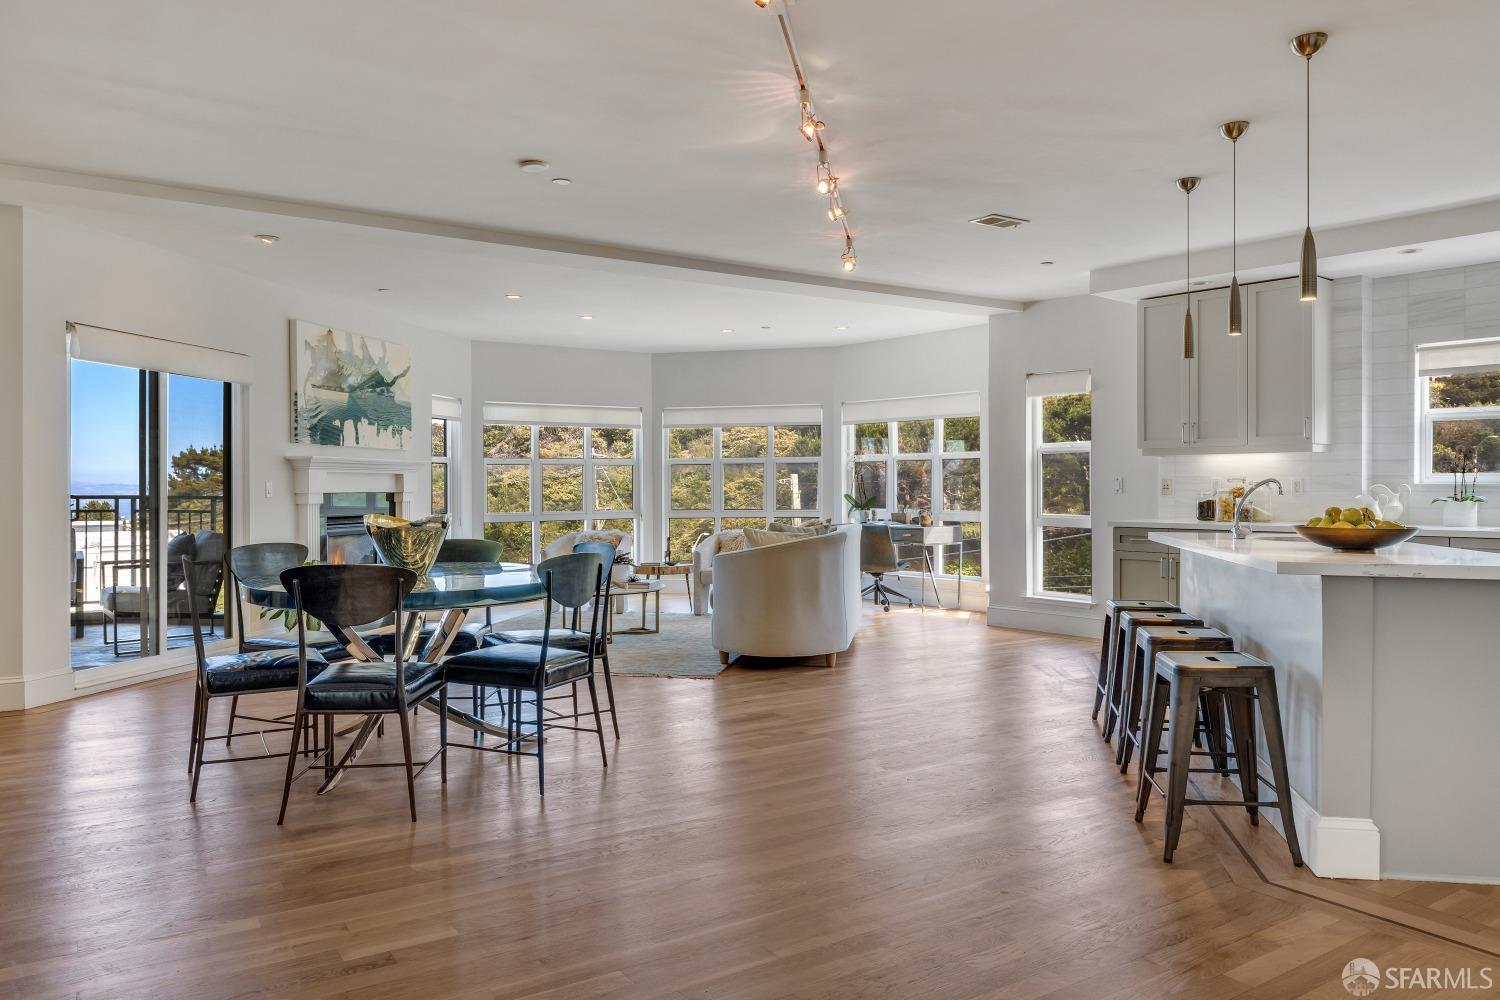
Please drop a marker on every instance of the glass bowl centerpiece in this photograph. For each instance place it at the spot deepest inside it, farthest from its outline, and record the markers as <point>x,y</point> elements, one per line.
<point>410,545</point>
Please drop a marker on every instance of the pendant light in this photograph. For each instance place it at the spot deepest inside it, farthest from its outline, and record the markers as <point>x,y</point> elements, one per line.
<point>1307,45</point>
<point>1186,185</point>
<point>1232,131</point>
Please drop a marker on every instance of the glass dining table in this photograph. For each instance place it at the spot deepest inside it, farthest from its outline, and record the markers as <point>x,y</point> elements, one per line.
<point>452,588</point>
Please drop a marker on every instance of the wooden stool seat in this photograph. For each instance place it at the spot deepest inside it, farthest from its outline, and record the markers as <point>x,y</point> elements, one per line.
<point>1126,622</point>
<point>1178,678</point>
<point>1106,640</point>
<point>1149,641</point>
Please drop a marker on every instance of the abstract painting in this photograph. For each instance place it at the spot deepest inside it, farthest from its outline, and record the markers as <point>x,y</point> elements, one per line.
<point>349,390</point>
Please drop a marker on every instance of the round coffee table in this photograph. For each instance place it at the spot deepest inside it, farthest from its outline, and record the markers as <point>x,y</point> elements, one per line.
<point>645,593</point>
<point>657,570</point>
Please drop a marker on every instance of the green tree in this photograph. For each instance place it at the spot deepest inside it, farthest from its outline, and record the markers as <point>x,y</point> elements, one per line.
<point>1067,418</point>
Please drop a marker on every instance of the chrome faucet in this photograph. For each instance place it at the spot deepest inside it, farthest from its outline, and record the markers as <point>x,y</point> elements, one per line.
<point>1237,529</point>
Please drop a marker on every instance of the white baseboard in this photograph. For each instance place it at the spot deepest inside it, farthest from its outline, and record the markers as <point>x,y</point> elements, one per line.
<point>44,689</point>
<point>12,694</point>
<point>1332,846</point>
<point>1084,622</point>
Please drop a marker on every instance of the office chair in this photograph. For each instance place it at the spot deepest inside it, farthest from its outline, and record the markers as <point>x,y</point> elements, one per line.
<point>877,557</point>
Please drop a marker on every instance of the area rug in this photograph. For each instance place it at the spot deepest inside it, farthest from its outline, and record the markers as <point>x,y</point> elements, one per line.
<point>682,649</point>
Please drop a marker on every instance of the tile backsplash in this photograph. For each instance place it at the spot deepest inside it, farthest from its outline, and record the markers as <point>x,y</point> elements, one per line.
<point>1377,325</point>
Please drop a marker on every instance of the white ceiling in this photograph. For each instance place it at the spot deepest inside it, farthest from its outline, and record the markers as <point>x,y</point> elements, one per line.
<point>676,120</point>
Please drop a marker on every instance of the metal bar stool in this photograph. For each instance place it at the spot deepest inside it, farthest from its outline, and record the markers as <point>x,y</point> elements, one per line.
<point>1126,622</point>
<point>1111,610</point>
<point>1178,679</point>
<point>1149,641</point>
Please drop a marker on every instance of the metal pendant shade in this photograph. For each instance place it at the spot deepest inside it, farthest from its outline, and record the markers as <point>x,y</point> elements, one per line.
<point>1232,131</point>
<point>1308,45</point>
<point>1189,351</point>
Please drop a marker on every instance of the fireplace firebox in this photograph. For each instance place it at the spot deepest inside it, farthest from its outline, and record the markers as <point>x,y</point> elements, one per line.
<point>342,522</point>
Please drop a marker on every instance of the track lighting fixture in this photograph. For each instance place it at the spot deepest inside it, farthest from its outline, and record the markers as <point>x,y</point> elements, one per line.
<point>812,128</point>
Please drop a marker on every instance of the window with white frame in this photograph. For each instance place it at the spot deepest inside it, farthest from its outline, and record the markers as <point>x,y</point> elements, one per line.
<point>1060,429</point>
<point>445,424</point>
<point>1458,393</point>
<point>732,468</point>
<point>930,465</point>
<point>579,469</point>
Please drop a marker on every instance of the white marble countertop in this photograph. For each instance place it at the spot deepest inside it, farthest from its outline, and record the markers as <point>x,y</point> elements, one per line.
<point>1292,555</point>
<point>1285,527</point>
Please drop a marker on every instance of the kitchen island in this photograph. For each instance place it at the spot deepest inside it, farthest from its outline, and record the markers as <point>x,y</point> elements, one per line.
<point>1387,667</point>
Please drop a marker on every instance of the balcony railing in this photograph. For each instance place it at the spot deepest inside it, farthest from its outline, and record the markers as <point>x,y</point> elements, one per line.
<point>110,528</point>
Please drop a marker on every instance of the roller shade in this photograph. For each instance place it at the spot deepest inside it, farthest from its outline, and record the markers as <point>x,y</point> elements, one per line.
<point>730,416</point>
<point>134,350</point>
<point>1459,358</point>
<point>549,413</point>
<point>446,408</point>
<point>957,404</point>
<point>1058,383</point>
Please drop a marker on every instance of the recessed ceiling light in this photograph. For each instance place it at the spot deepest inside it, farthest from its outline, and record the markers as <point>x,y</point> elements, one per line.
<point>841,328</point>
<point>765,328</point>
<point>726,330</point>
<point>561,182</point>
<point>512,295</point>
<point>267,238</point>
<point>1199,284</point>
<point>1410,250</point>
<point>585,317</point>
<point>533,166</point>
<point>382,289</point>
<point>1046,263</point>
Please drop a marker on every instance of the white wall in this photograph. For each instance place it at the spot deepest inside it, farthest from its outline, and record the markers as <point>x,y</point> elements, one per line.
<point>83,275</point>
<point>13,509</point>
<point>1061,335</point>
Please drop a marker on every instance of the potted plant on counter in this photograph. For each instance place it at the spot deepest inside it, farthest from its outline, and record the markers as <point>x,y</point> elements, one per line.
<point>1461,507</point>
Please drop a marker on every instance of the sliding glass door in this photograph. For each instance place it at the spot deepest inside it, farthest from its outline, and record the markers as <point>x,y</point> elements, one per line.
<point>149,510</point>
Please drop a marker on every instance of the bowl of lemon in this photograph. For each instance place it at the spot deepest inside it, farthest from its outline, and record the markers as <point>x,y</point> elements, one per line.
<point>1353,529</point>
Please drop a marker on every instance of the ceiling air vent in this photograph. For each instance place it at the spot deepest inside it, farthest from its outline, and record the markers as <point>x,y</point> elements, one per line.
<point>997,221</point>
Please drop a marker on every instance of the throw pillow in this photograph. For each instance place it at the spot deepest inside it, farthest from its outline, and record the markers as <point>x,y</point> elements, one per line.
<point>732,540</point>
<point>757,538</point>
<point>793,529</point>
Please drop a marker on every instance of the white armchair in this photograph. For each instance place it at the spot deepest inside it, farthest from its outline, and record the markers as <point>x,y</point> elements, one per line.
<point>800,598</point>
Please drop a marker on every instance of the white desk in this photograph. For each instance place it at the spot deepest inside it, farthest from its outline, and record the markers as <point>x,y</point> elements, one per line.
<point>927,538</point>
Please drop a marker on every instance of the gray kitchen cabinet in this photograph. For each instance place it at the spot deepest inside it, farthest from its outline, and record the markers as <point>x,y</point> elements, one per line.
<point>1163,410</point>
<point>1268,390</point>
<point>1290,347</point>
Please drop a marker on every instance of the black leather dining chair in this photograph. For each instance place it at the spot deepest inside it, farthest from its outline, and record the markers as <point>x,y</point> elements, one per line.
<point>573,637</point>
<point>345,597</point>
<point>572,582</point>
<point>248,672</point>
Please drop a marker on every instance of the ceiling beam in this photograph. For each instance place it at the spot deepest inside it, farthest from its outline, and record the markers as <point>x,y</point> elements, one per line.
<point>1278,256</point>
<point>45,185</point>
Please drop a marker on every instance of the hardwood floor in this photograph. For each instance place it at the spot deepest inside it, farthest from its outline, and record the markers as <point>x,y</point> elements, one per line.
<point>934,817</point>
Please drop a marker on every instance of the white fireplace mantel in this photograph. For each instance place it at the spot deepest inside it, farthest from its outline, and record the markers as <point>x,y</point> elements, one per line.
<point>313,476</point>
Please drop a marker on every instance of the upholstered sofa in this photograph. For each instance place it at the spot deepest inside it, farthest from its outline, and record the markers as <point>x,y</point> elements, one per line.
<point>799,598</point>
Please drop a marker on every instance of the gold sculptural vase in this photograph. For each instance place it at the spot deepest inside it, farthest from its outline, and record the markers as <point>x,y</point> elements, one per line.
<point>410,545</point>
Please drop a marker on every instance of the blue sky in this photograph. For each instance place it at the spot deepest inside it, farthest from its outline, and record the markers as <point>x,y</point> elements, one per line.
<point>105,401</point>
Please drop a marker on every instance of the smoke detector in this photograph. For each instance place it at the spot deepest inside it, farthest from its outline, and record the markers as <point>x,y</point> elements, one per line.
<point>997,221</point>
